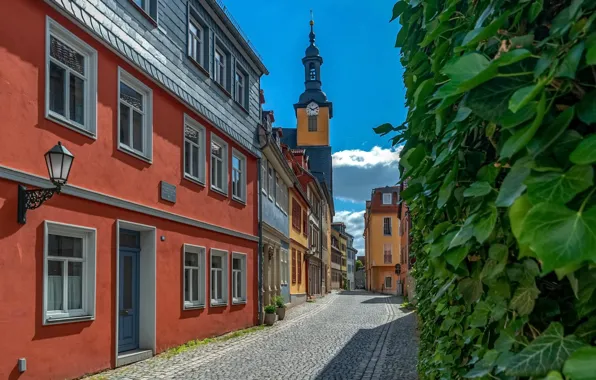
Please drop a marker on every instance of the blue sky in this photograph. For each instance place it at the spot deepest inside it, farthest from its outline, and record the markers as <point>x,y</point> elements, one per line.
<point>361,75</point>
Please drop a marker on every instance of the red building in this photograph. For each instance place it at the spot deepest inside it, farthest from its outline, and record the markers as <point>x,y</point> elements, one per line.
<point>154,240</point>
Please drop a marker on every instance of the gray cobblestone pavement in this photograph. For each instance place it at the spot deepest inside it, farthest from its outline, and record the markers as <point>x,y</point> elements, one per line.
<point>350,335</point>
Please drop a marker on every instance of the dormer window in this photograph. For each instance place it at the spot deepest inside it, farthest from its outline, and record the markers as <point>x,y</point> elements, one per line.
<point>387,198</point>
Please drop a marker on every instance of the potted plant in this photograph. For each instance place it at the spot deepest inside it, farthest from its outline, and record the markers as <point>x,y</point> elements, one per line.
<point>269,315</point>
<point>280,308</point>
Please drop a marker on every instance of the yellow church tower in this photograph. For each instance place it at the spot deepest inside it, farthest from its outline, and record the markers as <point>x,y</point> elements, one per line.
<point>313,110</point>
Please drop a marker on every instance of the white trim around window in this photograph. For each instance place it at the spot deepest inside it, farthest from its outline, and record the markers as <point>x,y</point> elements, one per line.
<point>218,277</point>
<point>264,175</point>
<point>135,100</point>
<point>387,197</point>
<point>218,164</point>
<point>69,268</point>
<point>238,176</point>
<point>388,284</point>
<point>238,277</point>
<point>194,272</point>
<point>194,150</point>
<point>70,64</point>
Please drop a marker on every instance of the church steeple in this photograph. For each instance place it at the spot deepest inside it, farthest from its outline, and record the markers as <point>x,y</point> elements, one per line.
<point>312,62</point>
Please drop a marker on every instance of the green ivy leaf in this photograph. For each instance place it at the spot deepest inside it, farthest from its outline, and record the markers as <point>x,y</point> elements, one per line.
<point>465,232</point>
<point>513,184</point>
<point>490,100</point>
<point>485,224</point>
<point>484,366</point>
<point>498,252</point>
<point>560,236</point>
<point>591,55</point>
<point>456,255</point>
<point>547,352</point>
<point>411,191</point>
<point>491,270</point>
<point>505,341</point>
<point>587,330</point>
<point>547,136</point>
<point>553,375</point>
<point>524,298</point>
<point>511,119</point>
<point>462,114</point>
<point>398,9</point>
<point>585,152</point>
<point>563,21</point>
<point>581,365</point>
<point>423,91</point>
<point>478,189</point>
<point>522,137</point>
<point>383,129</point>
<point>586,109</point>
<point>413,157</point>
<point>523,96</point>
<point>512,56</point>
<point>535,10</point>
<point>517,213</point>
<point>479,317</point>
<point>479,34</point>
<point>571,62</point>
<point>471,289</point>
<point>560,187</point>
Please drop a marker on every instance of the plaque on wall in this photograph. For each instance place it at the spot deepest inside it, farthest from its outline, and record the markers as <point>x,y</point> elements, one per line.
<point>168,192</point>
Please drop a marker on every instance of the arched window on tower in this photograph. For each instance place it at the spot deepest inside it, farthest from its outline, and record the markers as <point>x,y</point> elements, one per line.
<point>312,123</point>
<point>312,72</point>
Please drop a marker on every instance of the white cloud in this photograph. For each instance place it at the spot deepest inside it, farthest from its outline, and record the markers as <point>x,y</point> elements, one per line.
<point>354,221</point>
<point>356,172</point>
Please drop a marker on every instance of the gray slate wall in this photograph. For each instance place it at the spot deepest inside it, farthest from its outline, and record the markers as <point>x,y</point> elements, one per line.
<point>161,53</point>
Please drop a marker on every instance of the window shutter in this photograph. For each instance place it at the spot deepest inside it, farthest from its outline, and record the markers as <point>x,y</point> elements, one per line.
<point>299,267</point>
<point>304,223</point>
<point>293,266</point>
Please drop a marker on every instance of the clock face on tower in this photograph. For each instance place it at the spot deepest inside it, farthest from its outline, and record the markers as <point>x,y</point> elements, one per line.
<point>312,109</point>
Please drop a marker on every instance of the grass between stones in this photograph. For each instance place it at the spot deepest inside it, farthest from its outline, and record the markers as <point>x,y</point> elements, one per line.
<point>201,342</point>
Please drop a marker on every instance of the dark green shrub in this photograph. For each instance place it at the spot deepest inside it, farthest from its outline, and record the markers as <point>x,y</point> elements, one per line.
<point>498,157</point>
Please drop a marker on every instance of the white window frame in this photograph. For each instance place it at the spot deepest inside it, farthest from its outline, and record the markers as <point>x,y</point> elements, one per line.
<point>385,219</point>
<point>239,275</point>
<point>224,175</point>
<point>264,174</point>
<point>90,118</point>
<point>390,282</point>
<point>242,158</point>
<point>201,268</point>
<point>147,93</point>
<point>196,39</point>
<point>192,123</point>
<point>89,236</point>
<point>222,64</point>
<point>271,181</point>
<point>223,300</point>
<point>387,198</point>
<point>285,266</point>
<point>385,245</point>
<point>147,8</point>
<point>240,92</point>
<point>278,195</point>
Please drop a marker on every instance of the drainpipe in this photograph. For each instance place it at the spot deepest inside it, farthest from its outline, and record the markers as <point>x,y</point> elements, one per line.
<point>260,252</point>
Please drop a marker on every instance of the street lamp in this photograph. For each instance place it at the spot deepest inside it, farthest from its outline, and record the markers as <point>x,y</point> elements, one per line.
<point>59,161</point>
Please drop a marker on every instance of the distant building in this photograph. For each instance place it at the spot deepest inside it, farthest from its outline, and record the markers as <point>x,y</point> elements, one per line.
<point>351,262</point>
<point>382,241</point>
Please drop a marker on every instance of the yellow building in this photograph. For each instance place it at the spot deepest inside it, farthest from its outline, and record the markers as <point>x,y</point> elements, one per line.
<point>382,241</point>
<point>326,233</point>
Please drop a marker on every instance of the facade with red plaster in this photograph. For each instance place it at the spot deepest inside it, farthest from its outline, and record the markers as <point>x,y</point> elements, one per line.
<point>113,270</point>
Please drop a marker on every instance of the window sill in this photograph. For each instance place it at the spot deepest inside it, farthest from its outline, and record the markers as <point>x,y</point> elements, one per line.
<point>218,304</point>
<point>133,153</point>
<point>222,88</point>
<point>219,191</point>
<point>193,306</point>
<point>60,320</point>
<point>239,200</point>
<point>199,66</point>
<point>144,13</point>
<point>239,302</point>
<point>66,123</point>
<point>194,180</point>
<point>244,109</point>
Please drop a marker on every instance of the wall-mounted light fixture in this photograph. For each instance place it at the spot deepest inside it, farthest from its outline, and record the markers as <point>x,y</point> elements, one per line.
<point>59,161</point>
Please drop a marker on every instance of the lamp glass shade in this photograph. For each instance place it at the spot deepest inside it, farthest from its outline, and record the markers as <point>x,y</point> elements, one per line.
<point>59,161</point>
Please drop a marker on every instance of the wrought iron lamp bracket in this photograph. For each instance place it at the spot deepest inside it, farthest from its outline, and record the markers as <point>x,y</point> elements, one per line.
<point>32,199</point>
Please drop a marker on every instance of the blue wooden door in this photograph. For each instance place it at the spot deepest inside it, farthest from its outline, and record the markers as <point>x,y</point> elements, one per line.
<point>128,315</point>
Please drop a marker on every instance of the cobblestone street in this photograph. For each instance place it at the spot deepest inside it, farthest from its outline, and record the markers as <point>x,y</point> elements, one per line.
<point>350,335</point>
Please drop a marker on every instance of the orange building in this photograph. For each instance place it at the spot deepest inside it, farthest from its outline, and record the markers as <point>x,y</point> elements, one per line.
<point>154,239</point>
<point>382,241</point>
